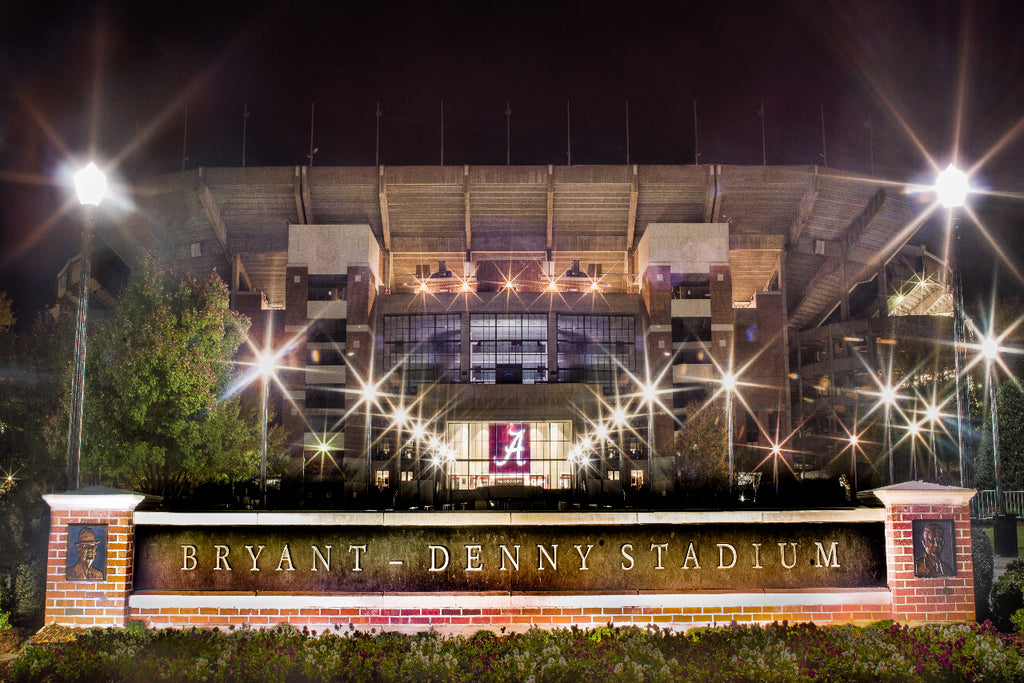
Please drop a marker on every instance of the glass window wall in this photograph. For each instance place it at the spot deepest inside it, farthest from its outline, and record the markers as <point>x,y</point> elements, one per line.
<point>510,453</point>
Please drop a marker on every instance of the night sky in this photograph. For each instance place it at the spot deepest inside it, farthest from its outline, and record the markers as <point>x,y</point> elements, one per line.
<point>116,78</point>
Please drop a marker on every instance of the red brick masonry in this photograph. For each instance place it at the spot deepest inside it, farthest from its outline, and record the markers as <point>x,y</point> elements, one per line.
<point>907,598</point>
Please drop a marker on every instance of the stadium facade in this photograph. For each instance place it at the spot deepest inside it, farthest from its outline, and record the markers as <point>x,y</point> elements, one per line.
<point>466,335</point>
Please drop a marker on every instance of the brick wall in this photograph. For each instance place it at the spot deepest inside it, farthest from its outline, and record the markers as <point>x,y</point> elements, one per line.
<point>466,614</point>
<point>98,602</point>
<point>906,598</point>
<point>916,599</point>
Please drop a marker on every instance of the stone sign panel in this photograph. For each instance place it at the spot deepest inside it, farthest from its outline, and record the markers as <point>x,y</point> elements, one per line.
<point>650,557</point>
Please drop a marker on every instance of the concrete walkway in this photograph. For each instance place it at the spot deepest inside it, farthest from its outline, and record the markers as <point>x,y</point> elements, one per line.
<point>1000,564</point>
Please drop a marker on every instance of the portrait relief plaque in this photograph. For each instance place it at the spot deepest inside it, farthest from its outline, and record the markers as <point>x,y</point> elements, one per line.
<point>87,552</point>
<point>934,548</point>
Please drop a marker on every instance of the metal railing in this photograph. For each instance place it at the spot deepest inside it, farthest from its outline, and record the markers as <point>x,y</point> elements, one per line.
<point>983,505</point>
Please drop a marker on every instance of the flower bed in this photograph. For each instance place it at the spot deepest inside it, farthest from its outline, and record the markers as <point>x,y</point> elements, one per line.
<point>882,652</point>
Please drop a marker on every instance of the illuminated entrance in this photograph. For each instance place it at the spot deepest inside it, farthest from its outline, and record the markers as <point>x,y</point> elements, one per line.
<point>510,454</point>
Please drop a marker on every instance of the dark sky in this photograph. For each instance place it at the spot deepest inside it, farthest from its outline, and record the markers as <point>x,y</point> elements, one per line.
<point>116,77</point>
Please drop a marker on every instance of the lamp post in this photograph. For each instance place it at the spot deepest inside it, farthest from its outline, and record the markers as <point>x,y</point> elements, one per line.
<point>265,363</point>
<point>914,429</point>
<point>601,434</point>
<point>854,441</point>
<point>619,419</point>
<point>1004,526</point>
<point>888,397</point>
<point>370,395</point>
<point>990,351</point>
<point>650,393</point>
<point>91,188</point>
<point>933,416</point>
<point>776,454</point>
<point>729,384</point>
<point>951,188</point>
<point>399,418</point>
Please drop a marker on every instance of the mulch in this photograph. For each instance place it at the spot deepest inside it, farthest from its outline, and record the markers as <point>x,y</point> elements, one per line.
<point>13,639</point>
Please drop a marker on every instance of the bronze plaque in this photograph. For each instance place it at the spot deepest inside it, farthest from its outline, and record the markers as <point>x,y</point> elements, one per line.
<point>86,552</point>
<point>501,558</point>
<point>934,548</point>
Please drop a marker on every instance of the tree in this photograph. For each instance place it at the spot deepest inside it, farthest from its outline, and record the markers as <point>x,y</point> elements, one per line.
<point>35,371</point>
<point>700,449</point>
<point>7,318</point>
<point>157,414</point>
<point>1010,406</point>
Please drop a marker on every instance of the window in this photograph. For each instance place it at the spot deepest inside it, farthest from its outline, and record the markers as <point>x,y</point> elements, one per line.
<point>427,347</point>
<point>327,287</point>
<point>325,356</point>
<point>595,348</point>
<point>382,479</point>
<point>326,331</point>
<point>325,398</point>
<point>685,330</point>
<point>509,453</point>
<point>197,249</point>
<point>508,348</point>
<point>691,286</point>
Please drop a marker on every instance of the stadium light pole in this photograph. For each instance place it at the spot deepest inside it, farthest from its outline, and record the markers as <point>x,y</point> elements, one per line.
<point>91,188</point>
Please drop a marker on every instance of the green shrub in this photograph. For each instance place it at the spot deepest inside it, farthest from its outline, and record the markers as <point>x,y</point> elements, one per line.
<point>883,652</point>
<point>1008,596</point>
<point>5,621</point>
<point>30,592</point>
<point>984,566</point>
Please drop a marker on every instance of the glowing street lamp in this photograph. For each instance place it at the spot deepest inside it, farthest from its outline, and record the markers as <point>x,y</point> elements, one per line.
<point>951,187</point>
<point>650,394</point>
<point>369,395</point>
<point>776,454</point>
<point>265,366</point>
<point>91,188</point>
<point>729,385</point>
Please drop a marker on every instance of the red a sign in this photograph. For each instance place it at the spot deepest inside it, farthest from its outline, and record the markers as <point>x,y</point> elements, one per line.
<point>510,448</point>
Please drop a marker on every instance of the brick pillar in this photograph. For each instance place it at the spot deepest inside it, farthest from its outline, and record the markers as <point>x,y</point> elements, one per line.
<point>657,294</point>
<point>93,522</point>
<point>940,591</point>
<point>359,340</point>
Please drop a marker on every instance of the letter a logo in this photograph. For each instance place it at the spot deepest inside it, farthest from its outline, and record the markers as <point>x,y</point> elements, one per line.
<point>510,448</point>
